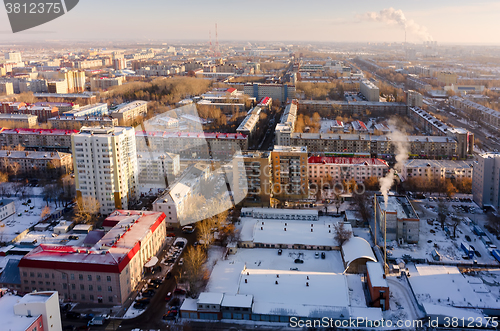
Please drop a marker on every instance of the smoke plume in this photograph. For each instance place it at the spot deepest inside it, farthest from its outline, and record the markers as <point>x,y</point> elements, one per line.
<point>392,16</point>
<point>400,143</point>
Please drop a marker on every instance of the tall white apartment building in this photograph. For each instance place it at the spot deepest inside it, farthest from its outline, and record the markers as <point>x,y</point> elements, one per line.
<point>369,90</point>
<point>486,180</point>
<point>105,163</point>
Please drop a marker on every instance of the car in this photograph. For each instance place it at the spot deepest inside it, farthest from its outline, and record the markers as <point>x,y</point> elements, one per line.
<point>169,275</point>
<point>65,307</point>
<point>88,317</point>
<point>181,261</point>
<point>468,238</point>
<point>280,251</point>
<point>323,255</point>
<point>169,317</point>
<point>139,305</point>
<point>156,281</point>
<point>179,291</point>
<point>171,260</point>
<point>170,234</point>
<point>188,229</point>
<point>172,311</point>
<point>143,300</point>
<point>148,293</point>
<point>295,269</point>
<point>168,297</point>
<point>298,261</point>
<point>477,253</point>
<point>180,244</point>
<point>73,315</point>
<point>316,255</point>
<point>153,286</point>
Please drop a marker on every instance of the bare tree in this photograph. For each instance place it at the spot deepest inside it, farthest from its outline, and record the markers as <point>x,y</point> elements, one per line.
<point>342,234</point>
<point>205,235</point>
<point>45,212</point>
<point>455,222</point>
<point>86,209</point>
<point>442,210</point>
<point>194,259</point>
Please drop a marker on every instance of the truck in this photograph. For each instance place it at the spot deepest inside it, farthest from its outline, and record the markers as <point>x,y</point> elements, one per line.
<point>478,231</point>
<point>467,250</point>
<point>496,254</point>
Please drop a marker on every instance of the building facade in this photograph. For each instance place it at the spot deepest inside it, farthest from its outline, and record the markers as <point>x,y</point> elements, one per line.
<point>105,163</point>
<point>437,169</point>
<point>37,139</point>
<point>18,121</point>
<point>156,168</point>
<point>324,169</point>
<point>106,273</point>
<point>486,180</point>
<point>126,113</point>
<point>76,123</point>
<point>396,219</point>
<point>289,173</point>
<point>281,92</point>
<point>31,163</point>
<point>369,90</point>
<point>252,178</point>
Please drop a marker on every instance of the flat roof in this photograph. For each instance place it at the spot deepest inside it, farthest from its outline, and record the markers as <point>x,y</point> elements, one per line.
<point>398,204</point>
<point>376,274</point>
<point>210,298</point>
<point>424,163</point>
<point>11,321</point>
<point>289,149</point>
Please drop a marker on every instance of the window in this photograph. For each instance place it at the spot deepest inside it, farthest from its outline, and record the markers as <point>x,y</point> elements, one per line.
<point>80,277</point>
<point>110,299</point>
<point>32,274</point>
<point>63,276</point>
<point>98,277</point>
<point>91,297</point>
<point>82,287</point>
<point>89,278</point>
<point>25,274</point>
<point>110,289</point>
<point>73,287</point>
<point>99,288</point>
<point>72,276</point>
<point>91,287</point>
<point>108,278</point>
<point>65,286</point>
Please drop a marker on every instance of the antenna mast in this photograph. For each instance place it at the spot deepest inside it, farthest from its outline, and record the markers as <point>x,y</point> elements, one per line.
<point>217,48</point>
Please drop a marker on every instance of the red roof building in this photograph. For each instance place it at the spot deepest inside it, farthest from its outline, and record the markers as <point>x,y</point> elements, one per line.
<point>105,273</point>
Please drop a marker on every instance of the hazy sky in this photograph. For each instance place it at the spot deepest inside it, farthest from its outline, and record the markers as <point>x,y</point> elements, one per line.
<point>446,21</point>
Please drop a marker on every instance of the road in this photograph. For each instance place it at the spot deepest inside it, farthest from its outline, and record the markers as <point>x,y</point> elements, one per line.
<point>152,316</point>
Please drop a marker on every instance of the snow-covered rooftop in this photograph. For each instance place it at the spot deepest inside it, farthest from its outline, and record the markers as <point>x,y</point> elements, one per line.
<point>11,321</point>
<point>313,233</point>
<point>210,298</point>
<point>376,274</point>
<point>356,248</point>
<point>397,204</point>
<point>237,300</point>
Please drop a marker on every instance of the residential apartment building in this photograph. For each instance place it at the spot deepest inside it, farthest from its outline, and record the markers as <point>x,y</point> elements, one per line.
<point>413,83</point>
<point>13,57</point>
<point>18,121</point>
<point>414,98</point>
<point>431,125</point>
<point>33,163</point>
<point>396,219</point>
<point>192,144</point>
<point>437,169</point>
<point>486,180</point>
<point>57,86</point>
<point>11,107</point>
<point>289,172</point>
<point>43,112</point>
<point>106,273</point>
<point>6,88</point>
<point>76,123</point>
<point>281,92</point>
<point>478,112</point>
<point>376,146</point>
<point>31,85</point>
<point>94,110</point>
<point>37,139</point>
<point>105,163</point>
<point>157,167</point>
<point>324,169</point>
<point>252,178</point>
<point>36,311</point>
<point>286,126</point>
<point>61,106</point>
<point>369,90</point>
<point>249,123</point>
<point>104,83</point>
<point>87,64</point>
<point>352,107</point>
<point>447,77</point>
<point>127,113</point>
<point>7,208</point>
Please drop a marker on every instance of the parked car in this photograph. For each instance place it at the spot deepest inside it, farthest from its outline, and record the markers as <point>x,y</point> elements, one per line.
<point>169,275</point>
<point>316,255</point>
<point>170,234</point>
<point>73,315</point>
<point>280,251</point>
<point>468,238</point>
<point>323,255</point>
<point>169,317</point>
<point>88,317</point>
<point>148,293</point>
<point>143,300</point>
<point>181,261</point>
<point>179,291</point>
<point>139,305</point>
<point>298,261</point>
<point>65,307</point>
<point>153,286</point>
<point>156,281</point>
<point>168,297</point>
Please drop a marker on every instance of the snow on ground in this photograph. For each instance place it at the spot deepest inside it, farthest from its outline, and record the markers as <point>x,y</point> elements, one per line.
<point>214,254</point>
<point>445,285</point>
<point>363,233</point>
<point>132,312</point>
<point>449,249</point>
<point>13,225</point>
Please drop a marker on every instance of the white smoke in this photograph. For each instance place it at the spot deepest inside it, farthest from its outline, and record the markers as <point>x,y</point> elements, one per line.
<point>392,16</point>
<point>400,143</point>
